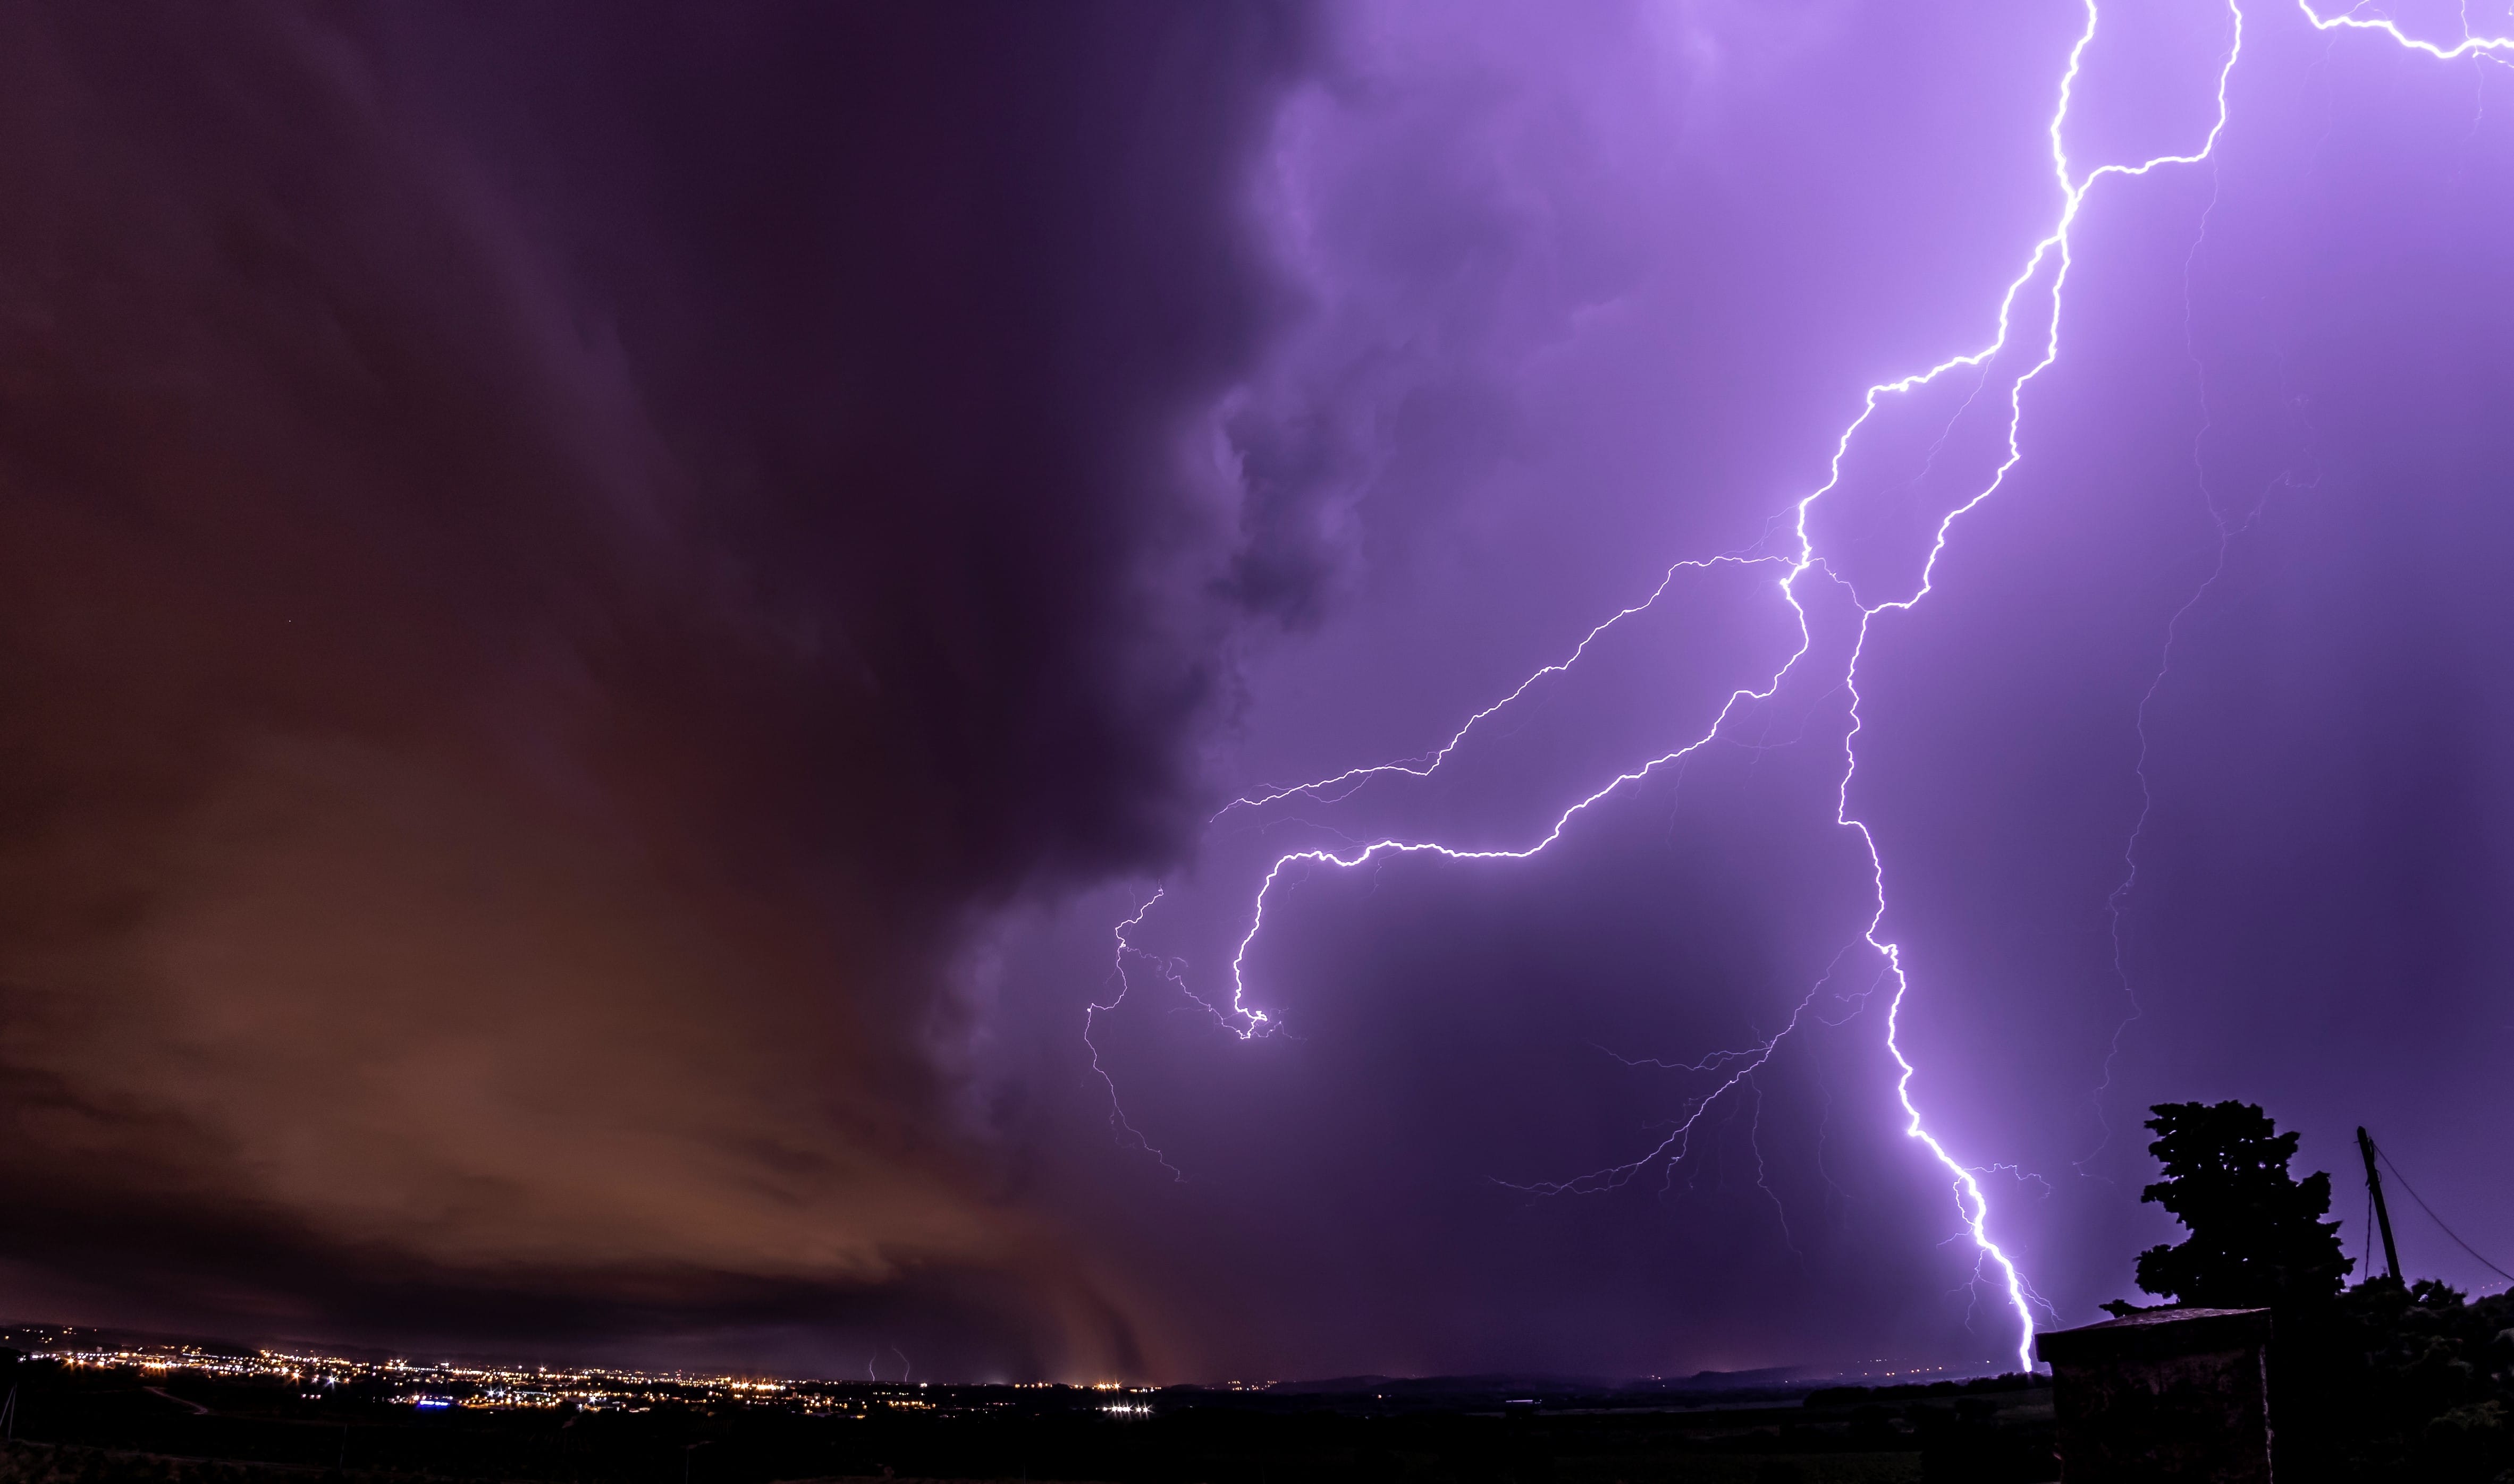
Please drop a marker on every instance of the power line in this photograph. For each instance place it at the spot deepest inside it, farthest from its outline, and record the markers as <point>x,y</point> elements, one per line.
<point>2438,1220</point>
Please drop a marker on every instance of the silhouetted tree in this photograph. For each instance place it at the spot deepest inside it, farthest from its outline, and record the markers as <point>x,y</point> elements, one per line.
<point>2383,1383</point>
<point>2257,1236</point>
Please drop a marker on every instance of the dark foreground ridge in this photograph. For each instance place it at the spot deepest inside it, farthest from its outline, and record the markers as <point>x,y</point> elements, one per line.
<point>91,1409</point>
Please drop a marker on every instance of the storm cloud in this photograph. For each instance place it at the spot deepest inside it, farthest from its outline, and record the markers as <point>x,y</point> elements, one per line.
<point>548,572</point>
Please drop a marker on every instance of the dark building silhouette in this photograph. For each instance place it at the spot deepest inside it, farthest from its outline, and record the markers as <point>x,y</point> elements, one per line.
<point>2162,1395</point>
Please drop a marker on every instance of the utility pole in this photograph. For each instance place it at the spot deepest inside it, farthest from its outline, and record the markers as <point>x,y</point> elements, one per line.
<point>2382,1213</point>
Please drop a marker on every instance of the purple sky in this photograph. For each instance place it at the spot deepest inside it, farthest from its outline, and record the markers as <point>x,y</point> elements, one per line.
<point>605,616</point>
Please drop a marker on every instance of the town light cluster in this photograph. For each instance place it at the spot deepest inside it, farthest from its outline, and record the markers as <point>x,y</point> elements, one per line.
<point>449,1386</point>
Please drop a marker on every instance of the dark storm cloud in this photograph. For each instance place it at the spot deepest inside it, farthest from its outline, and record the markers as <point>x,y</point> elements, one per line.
<point>549,567</point>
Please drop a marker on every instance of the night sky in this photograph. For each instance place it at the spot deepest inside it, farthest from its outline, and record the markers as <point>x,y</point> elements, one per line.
<point>606,608</point>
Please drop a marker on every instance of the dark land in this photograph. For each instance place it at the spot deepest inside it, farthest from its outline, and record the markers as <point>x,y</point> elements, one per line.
<point>201,1415</point>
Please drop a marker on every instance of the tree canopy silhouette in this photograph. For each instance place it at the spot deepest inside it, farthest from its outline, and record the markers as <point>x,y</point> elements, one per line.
<point>2257,1236</point>
<point>2383,1383</point>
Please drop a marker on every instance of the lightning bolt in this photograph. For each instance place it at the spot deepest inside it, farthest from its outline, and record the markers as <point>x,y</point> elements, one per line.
<point>1429,762</point>
<point>1126,1133</point>
<point>2493,46</point>
<point>2047,265</point>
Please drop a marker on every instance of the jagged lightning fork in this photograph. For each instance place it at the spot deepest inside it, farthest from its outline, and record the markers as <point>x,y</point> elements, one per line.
<point>2116,904</point>
<point>1673,1149</point>
<point>1252,1021</point>
<point>1426,764</point>
<point>1763,1183</point>
<point>1973,1203</point>
<point>2052,253</point>
<point>1091,1014</point>
<point>2479,49</point>
<point>1711,1063</point>
<point>2350,20</point>
<point>1680,1141</point>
